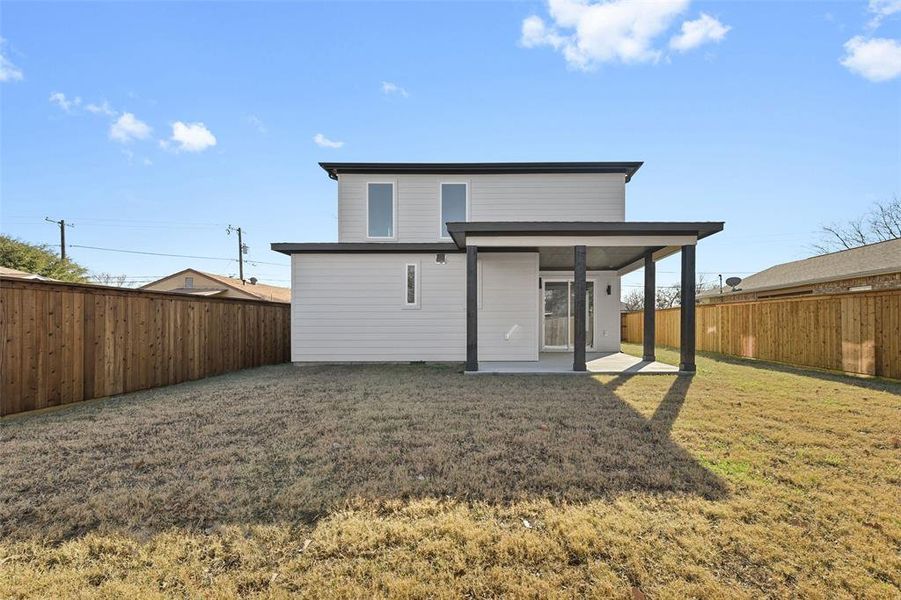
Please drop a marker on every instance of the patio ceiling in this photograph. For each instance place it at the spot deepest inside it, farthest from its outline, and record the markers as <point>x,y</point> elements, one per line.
<point>611,245</point>
<point>599,258</point>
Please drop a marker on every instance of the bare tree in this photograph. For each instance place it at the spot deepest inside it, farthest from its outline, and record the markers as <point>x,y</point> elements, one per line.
<point>110,279</point>
<point>670,296</point>
<point>634,300</point>
<point>881,223</point>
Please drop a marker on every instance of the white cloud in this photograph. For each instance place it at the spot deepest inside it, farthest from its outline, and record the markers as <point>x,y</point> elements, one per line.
<point>588,34</point>
<point>389,88</point>
<point>190,137</point>
<point>100,109</point>
<point>877,59</point>
<point>882,9</point>
<point>323,141</point>
<point>8,71</point>
<point>535,33</point>
<point>700,31</point>
<point>257,123</point>
<point>127,128</point>
<point>64,103</point>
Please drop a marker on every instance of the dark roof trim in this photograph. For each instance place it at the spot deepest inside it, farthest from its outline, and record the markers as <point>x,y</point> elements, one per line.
<point>701,229</point>
<point>360,247</point>
<point>626,168</point>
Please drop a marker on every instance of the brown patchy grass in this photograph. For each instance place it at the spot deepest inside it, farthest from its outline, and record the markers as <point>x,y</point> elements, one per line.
<point>748,480</point>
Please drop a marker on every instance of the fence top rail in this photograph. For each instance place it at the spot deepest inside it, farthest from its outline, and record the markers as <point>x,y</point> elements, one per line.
<point>93,288</point>
<point>886,292</point>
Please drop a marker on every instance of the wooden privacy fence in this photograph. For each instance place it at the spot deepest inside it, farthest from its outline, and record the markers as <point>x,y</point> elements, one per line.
<point>66,343</point>
<point>856,333</point>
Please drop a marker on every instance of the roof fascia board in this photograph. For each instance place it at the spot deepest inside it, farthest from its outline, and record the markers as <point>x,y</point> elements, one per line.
<point>627,168</point>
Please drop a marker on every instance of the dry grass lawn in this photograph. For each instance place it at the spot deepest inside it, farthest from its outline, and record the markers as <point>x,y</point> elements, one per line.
<point>747,480</point>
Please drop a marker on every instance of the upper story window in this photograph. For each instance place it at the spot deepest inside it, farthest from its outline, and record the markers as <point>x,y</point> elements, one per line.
<point>189,283</point>
<point>454,205</point>
<point>380,209</point>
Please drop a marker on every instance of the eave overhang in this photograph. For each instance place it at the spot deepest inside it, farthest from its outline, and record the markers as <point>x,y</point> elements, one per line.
<point>627,168</point>
<point>460,231</point>
<point>361,247</point>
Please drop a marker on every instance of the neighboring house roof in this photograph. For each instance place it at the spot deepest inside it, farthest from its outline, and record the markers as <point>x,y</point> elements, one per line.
<point>198,291</point>
<point>626,168</point>
<point>259,290</point>
<point>7,272</point>
<point>872,259</point>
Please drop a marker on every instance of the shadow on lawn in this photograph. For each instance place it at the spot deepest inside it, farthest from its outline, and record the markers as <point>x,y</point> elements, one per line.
<point>292,445</point>
<point>878,384</point>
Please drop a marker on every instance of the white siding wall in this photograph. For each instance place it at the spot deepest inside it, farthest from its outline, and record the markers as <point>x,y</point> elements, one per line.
<point>350,307</point>
<point>527,197</point>
<point>509,297</point>
<point>607,324</point>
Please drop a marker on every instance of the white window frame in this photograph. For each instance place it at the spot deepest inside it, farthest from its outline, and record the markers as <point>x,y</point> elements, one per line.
<point>417,285</point>
<point>441,184</point>
<point>393,184</point>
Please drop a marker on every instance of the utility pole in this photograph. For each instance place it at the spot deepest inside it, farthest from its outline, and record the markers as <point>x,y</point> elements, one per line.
<point>62,235</point>
<point>721,283</point>
<point>242,250</point>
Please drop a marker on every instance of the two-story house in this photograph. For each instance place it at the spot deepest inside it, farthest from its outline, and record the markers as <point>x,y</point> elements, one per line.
<point>479,262</point>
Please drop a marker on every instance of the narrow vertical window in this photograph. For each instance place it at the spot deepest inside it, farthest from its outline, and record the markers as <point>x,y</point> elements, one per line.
<point>453,205</point>
<point>189,283</point>
<point>380,210</point>
<point>411,285</point>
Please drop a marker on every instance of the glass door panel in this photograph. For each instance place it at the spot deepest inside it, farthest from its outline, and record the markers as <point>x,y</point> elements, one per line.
<point>556,314</point>
<point>559,322</point>
<point>589,313</point>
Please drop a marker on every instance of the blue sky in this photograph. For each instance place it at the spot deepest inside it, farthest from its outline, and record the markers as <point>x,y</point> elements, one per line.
<point>774,117</point>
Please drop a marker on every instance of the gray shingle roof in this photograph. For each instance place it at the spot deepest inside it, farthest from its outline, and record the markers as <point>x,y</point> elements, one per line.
<point>872,259</point>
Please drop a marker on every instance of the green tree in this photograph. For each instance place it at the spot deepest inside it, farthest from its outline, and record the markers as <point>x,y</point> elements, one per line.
<point>38,259</point>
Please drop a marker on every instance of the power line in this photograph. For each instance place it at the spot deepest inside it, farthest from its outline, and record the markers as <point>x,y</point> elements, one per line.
<point>138,221</point>
<point>153,253</point>
<point>174,255</point>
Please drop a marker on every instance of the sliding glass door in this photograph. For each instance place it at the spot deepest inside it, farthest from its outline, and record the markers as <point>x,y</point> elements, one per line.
<point>558,322</point>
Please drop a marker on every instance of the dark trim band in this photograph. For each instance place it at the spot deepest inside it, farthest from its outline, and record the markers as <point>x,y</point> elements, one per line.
<point>626,168</point>
<point>701,229</point>
<point>361,247</point>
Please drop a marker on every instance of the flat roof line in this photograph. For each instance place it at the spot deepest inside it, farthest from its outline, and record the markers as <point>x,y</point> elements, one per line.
<point>627,168</point>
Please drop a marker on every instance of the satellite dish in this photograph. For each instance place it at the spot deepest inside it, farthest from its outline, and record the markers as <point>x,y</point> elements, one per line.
<point>733,281</point>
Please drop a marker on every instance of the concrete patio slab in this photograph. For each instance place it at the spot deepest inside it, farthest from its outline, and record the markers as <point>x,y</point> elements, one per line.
<point>562,363</point>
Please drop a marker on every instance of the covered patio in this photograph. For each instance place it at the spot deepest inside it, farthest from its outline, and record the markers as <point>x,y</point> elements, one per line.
<point>615,246</point>
<point>561,362</point>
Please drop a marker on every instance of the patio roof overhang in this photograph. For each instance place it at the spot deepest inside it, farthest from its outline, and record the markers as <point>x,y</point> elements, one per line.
<point>611,245</point>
